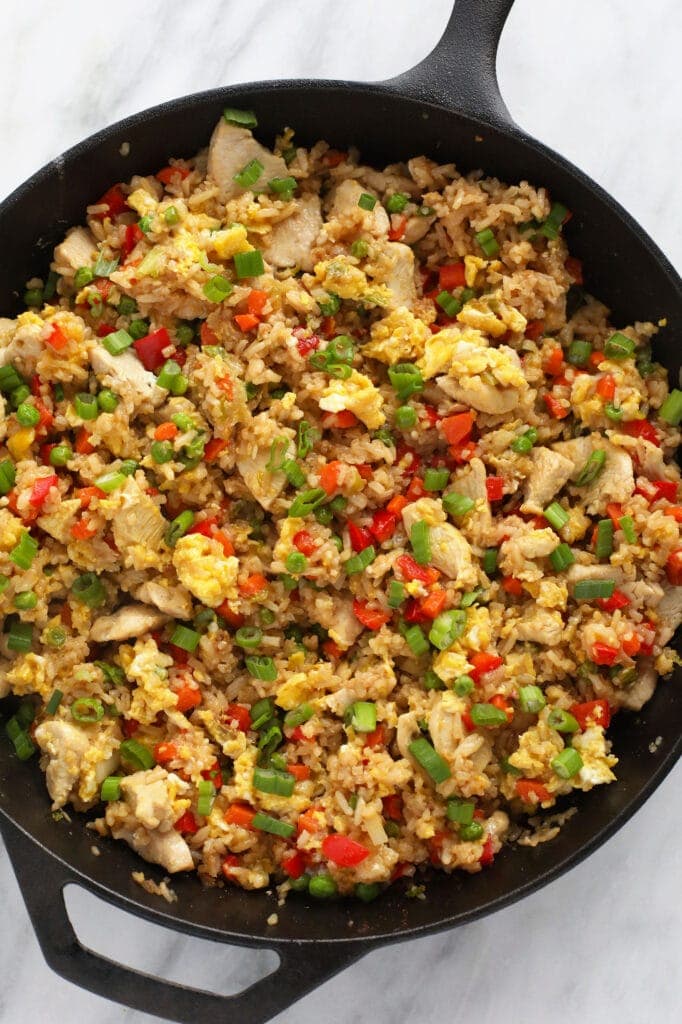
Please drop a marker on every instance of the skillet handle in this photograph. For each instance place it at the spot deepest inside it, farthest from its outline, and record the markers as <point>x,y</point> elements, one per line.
<point>460,72</point>
<point>42,880</point>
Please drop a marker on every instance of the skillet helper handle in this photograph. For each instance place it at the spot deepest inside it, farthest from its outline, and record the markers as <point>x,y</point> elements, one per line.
<point>42,880</point>
<point>460,72</point>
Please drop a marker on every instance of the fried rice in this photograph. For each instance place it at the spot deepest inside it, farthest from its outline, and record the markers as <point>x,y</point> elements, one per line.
<point>337,518</point>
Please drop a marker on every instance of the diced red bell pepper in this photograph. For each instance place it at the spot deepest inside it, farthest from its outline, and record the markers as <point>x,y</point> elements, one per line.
<point>371,618</point>
<point>641,428</point>
<point>512,586</point>
<point>535,329</point>
<point>102,330</point>
<point>230,862</point>
<point>213,774</point>
<point>456,429</point>
<point>360,536</point>
<point>392,807</point>
<point>631,644</point>
<point>487,854</point>
<point>343,851</point>
<point>328,327</point>
<point>451,275</point>
<point>606,387</point>
<point>415,489</point>
<point>305,542</point>
<point>167,174</point>
<point>206,527</point>
<point>383,525</point>
<point>150,349</point>
<point>494,487</point>
<point>376,738</point>
<point>592,711</point>
<point>604,654</point>
<point>82,530</point>
<point>529,788</point>
<point>41,488</point>
<point>411,570</point>
<point>300,772</point>
<point>56,338</point>
<point>617,600</point>
<point>432,605</point>
<point>555,408</point>
<point>334,157</point>
<point>413,612</point>
<point>332,649</point>
<point>297,735</point>
<point>483,662</point>
<point>673,568</point>
<point>239,714</point>
<point>397,504</point>
<point>554,363</point>
<point>208,336</point>
<point>114,199</point>
<point>256,300</point>
<point>397,229</point>
<point>132,235</point>
<point>214,448</point>
<point>294,864</point>
<point>307,345</point>
<point>187,824</point>
<point>431,414</point>
<point>499,701</point>
<point>129,726</point>
<point>339,420</point>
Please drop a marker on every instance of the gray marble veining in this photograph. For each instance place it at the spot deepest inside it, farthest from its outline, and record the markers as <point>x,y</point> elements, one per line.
<point>596,81</point>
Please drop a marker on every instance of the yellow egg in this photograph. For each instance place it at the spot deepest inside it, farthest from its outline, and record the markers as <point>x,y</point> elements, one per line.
<point>399,337</point>
<point>203,567</point>
<point>357,395</point>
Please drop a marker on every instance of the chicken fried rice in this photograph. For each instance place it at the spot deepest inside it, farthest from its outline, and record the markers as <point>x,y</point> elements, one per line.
<point>336,518</point>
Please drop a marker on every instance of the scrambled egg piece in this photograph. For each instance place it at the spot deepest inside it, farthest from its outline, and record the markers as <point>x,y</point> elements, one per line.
<point>288,528</point>
<point>548,593</point>
<point>440,348</point>
<point>538,746</point>
<point>349,282</point>
<point>230,241</point>
<point>399,337</point>
<point>477,633</point>
<point>29,675</point>
<point>10,530</point>
<point>450,664</point>
<point>301,686</point>
<point>145,665</point>
<point>203,567</point>
<point>142,202</point>
<point>597,762</point>
<point>358,395</point>
<point>491,315</point>
<point>469,360</point>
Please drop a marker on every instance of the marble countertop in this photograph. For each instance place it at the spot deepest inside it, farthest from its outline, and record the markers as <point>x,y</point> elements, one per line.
<point>591,80</point>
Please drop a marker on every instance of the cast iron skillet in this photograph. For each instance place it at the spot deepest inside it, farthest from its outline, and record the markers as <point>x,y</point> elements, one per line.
<point>448,107</point>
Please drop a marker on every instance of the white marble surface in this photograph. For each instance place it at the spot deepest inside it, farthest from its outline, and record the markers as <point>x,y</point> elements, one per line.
<point>596,81</point>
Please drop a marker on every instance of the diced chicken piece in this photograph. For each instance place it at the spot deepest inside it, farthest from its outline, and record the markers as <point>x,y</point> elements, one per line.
<point>633,697</point>
<point>450,551</point>
<point>643,594</point>
<point>138,527</point>
<point>541,627</point>
<point>669,613</point>
<point>230,150</point>
<point>174,601</point>
<point>144,818</point>
<point>344,207</point>
<point>649,457</point>
<point>481,396</point>
<point>446,727</point>
<point>77,764</point>
<point>400,276</point>
<point>290,242</point>
<point>253,454</point>
<point>616,481</point>
<point>133,620</point>
<point>407,730</point>
<point>79,249</point>
<point>577,572</point>
<point>127,376</point>
<point>58,523</point>
<point>416,228</point>
<point>335,614</point>
<point>471,481</point>
<point>550,472</point>
<point>21,343</point>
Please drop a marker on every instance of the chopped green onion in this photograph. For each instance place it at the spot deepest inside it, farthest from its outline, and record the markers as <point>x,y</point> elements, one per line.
<point>604,544</point>
<point>87,709</point>
<point>28,415</point>
<point>449,303</point>
<point>627,525</point>
<point>322,887</point>
<point>111,789</point>
<point>169,370</point>
<point>562,557</point>
<point>456,504</point>
<point>487,715</point>
<point>248,264</point>
<point>406,380</point>
<point>25,600</point>
<point>592,468</point>
<point>56,637</point>
<point>461,811</point>
<point>293,473</point>
<point>261,666</point>
<point>50,286</point>
<point>20,395</point>
<point>362,716</point>
<point>296,562</point>
<point>359,562</point>
<point>338,504</point>
<point>111,481</point>
<point>24,747</point>
<point>83,277</point>
<point>587,590</point>
<point>9,379</point>
<point>248,637</point>
<point>25,551</point>
<point>416,641</point>
<point>137,755</point>
<point>324,515</point>
<point>396,594</point>
<point>420,541</point>
<point>427,757</point>
<point>613,412</point>
<point>619,346</point>
<point>671,410</point>
<point>426,211</point>
<point>242,118</point>
<point>217,288</point>
<point>436,479</point>
<point>89,590</point>
<point>405,417</point>
<point>7,476</point>
<point>284,187</point>
<point>307,502</point>
<point>562,721</point>
<point>330,305</point>
<point>579,352</point>
<point>306,437</point>
<point>4,582</point>
<point>261,712</point>
<point>119,341</point>
<point>531,699</point>
<point>178,528</point>
<point>568,763</point>
<point>487,241</point>
<point>265,823</point>
<point>556,515</point>
<point>471,832</point>
<point>206,795</point>
<point>384,435</point>
<point>397,202</point>
<point>145,223</point>
<point>552,224</point>
<point>508,768</point>
<point>185,638</point>
<point>359,248</point>
<point>489,561</point>
<point>463,685</point>
<point>54,702</point>
<point>270,780</point>
<point>447,628</point>
<point>432,681</point>
<point>297,716</point>
<point>249,174</point>
<point>366,201</point>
